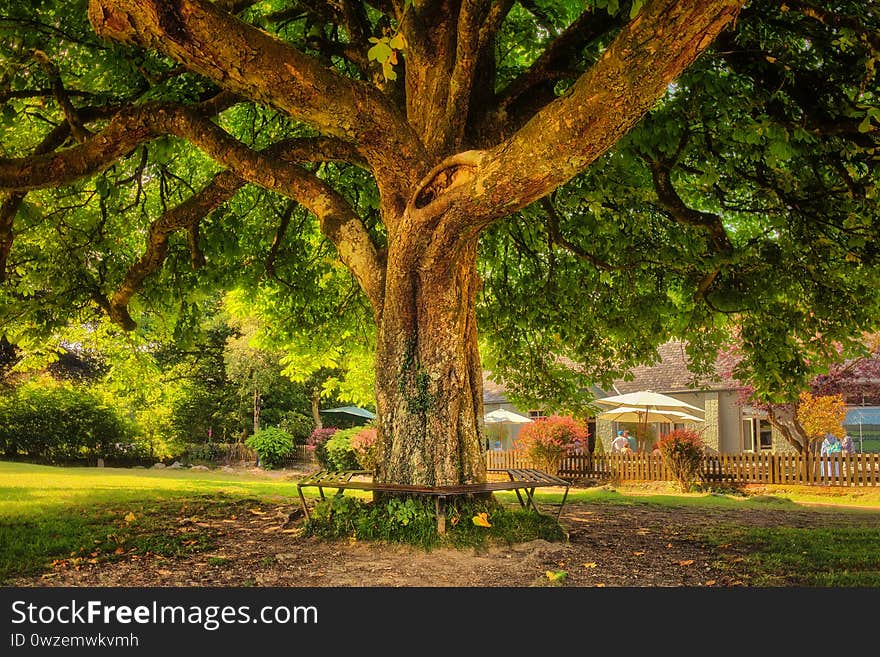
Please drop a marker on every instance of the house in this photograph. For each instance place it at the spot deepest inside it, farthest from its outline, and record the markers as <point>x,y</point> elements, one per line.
<point>729,426</point>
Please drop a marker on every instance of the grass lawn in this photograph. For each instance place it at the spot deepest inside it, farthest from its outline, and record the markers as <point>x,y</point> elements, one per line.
<point>88,514</point>
<point>49,513</point>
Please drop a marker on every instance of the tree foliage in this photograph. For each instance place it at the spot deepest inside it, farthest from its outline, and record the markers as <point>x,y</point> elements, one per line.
<point>617,172</point>
<point>821,415</point>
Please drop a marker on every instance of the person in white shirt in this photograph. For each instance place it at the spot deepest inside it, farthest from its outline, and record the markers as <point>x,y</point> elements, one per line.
<point>619,443</point>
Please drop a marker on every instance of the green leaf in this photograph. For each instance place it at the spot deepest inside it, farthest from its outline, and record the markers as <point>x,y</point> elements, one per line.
<point>381,52</point>
<point>636,8</point>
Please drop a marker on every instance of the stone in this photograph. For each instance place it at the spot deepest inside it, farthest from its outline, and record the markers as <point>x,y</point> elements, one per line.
<point>226,468</point>
<point>177,465</point>
<point>200,468</point>
<point>159,466</point>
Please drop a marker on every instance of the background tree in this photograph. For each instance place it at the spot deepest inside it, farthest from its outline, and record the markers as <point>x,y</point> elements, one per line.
<point>166,147</point>
<point>820,407</point>
<point>821,415</point>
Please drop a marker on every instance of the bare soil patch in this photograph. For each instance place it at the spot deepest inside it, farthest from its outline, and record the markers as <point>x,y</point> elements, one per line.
<point>636,545</point>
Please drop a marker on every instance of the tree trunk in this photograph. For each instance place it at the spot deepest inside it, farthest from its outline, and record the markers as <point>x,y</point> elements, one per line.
<point>429,388</point>
<point>258,402</point>
<point>316,408</point>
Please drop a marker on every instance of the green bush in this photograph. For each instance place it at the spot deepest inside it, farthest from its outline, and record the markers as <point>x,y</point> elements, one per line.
<point>60,423</point>
<point>272,445</point>
<point>336,453</point>
<point>297,425</point>
<point>414,521</point>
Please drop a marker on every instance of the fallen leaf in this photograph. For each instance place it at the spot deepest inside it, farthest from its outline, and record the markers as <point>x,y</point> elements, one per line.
<point>592,564</point>
<point>256,512</point>
<point>669,545</point>
<point>119,550</point>
<point>685,562</point>
<point>482,520</point>
<point>130,517</point>
<point>638,554</point>
<point>163,572</point>
<point>556,575</point>
<point>600,585</point>
<point>710,582</point>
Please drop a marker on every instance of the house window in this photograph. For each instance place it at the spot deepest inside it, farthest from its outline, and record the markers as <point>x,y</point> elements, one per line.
<point>757,434</point>
<point>536,414</point>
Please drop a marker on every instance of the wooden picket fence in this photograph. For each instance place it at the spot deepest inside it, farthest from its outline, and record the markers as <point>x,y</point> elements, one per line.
<point>745,468</point>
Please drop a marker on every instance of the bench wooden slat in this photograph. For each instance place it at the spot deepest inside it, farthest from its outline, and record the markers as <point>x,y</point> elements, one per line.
<point>521,479</point>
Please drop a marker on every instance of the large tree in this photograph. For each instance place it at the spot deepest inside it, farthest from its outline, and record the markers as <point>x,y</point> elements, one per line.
<point>423,133</point>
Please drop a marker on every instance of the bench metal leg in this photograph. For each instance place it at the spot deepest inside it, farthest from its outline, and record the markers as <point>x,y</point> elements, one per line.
<point>562,504</point>
<point>440,507</point>
<point>302,500</point>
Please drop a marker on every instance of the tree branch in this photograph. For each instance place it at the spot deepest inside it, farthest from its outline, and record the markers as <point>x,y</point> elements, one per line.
<point>707,221</point>
<point>533,88</point>
<point>254,64</point>
<point>11,202</point>
<point>569,134</point>
<point>337,220</point>
<point>221,188</point>
<point>76,127</point>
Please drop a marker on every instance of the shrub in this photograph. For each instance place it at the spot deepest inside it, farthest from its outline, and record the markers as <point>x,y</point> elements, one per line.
<point>60,423</point>
<point>297,425</point>
<point>548,440</point>
<point>336,453</point>
<point>272,445</point>
<point>365,444</point>
<point>321,436</point>
<point>682,451</point>
<point>414,521</point>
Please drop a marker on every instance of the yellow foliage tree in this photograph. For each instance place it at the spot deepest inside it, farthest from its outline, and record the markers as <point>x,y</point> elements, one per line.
<point>821,414</point>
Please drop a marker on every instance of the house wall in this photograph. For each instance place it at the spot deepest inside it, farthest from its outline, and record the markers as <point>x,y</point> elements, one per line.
<point>729,423</point>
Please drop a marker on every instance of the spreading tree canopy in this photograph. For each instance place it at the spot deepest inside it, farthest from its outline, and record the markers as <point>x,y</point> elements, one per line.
<point>582,179</point>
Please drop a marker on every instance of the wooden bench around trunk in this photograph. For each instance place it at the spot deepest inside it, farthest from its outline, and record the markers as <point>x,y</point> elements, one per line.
<point>523,481</point>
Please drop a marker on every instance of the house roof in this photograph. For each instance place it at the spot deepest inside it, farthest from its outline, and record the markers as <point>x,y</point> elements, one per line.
<point>670,374</point>
<point>493,393</point>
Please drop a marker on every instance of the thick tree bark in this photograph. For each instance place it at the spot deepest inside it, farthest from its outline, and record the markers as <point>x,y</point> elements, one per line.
<point>428,374</point>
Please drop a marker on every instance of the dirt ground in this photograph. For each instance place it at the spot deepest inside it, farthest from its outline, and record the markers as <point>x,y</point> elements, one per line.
<point>610,545</point>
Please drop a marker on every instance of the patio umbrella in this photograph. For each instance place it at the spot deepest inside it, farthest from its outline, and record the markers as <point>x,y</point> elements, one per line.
<point>631,414</point>
<point>351,410</point>
<point>648,401</point>
<point>644,402</point>
<point>502,416</point>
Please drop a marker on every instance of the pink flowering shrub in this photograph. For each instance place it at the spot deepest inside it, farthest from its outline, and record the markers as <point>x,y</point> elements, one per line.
<point>366,447</point>
<point>548,440</point>
<point>320,436</point>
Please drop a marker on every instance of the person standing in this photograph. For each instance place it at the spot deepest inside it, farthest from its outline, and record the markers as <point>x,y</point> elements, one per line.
<point>633,443</point>
<point>831,446</point>
<point>847,446</point>
<point>619,443</point>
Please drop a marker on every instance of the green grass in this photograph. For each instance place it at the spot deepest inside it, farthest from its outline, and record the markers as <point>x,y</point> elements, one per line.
<point>74,515</point>
<point>796,556</point>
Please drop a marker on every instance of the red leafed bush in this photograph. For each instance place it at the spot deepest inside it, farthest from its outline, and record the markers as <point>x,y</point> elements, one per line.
<point>366,446</point>
<point>548,440</point>
<point>682,451</point>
